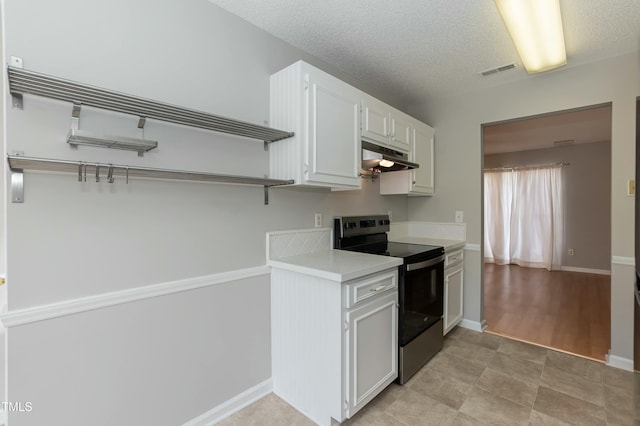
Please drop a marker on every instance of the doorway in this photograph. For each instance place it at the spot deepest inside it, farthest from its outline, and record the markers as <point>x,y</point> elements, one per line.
<point>564,304</point>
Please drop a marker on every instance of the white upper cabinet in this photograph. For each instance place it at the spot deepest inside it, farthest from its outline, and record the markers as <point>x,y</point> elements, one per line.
<point>324,114</point>
<point>421,179</point>
<point>376,126</point>
<point>418,181</point>
<point>400,131</point>
<point>385,125</point>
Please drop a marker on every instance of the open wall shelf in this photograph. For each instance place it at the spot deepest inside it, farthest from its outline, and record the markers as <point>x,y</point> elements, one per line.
<point>109,172</point>
<point>23,81</point>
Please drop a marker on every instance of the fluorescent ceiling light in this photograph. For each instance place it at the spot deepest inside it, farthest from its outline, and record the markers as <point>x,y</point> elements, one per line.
<point>536,29</point>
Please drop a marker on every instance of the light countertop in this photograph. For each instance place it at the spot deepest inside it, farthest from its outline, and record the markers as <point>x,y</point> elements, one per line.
<point>336,265</point>
<point>447,244</point>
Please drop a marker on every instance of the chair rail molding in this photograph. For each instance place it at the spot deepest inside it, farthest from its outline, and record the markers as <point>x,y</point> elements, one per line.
<point>29,315</point>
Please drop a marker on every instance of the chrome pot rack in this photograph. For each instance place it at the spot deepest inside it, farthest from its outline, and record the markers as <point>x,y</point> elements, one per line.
<point>98,171</point>
<point>22,81</point>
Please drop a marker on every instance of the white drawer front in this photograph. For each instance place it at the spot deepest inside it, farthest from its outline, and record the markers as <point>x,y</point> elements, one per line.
<point>371,286</point>
<point>453,258</point>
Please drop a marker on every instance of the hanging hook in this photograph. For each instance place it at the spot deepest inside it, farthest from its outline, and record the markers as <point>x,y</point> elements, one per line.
<point>110,178</point>
<point>97,172</point>
<point>127,175</point>
<point>80,172</point>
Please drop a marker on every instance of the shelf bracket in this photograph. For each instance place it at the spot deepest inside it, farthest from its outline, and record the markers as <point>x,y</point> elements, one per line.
<point>17,181</point>
<point>16,101</point>
<point>141,122</point>
<point>17,186</point>
<point>75,121</point>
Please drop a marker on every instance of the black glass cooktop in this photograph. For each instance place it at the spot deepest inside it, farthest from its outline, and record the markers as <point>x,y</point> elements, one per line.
<point>409,252</point>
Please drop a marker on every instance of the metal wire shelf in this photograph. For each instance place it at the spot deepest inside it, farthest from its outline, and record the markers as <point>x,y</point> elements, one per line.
<point>23,81</point>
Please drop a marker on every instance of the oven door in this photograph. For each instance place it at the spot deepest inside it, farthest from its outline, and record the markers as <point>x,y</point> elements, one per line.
<point>421,297</point>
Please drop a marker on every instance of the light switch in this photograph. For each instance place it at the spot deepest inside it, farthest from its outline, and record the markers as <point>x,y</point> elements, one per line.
<point>459,217</point>
<point>631,187</point>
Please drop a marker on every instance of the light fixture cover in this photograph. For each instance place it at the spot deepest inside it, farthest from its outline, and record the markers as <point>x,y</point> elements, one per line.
<point>536,29</point>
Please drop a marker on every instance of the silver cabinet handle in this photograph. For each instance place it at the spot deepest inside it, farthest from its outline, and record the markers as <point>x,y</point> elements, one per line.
<point>382,287</point>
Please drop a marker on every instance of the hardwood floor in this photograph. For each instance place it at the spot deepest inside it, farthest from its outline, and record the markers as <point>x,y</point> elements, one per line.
<point>568,311</point>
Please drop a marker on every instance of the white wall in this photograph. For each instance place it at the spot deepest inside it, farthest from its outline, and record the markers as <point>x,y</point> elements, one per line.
<point>164,360</point>
<point>458,122</point>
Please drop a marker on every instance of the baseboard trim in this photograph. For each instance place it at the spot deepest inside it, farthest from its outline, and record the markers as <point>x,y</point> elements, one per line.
<point>622,260</point>
<point>586,270</point>
<point>233,405</point>
<point>619,362</point>
<point>473,325</point>
<point>83,304</point>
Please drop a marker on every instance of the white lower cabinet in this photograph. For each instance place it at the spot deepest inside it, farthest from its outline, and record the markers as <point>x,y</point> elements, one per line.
<point>372,348</point>
<point>334,345</point>
<point>453,289</point>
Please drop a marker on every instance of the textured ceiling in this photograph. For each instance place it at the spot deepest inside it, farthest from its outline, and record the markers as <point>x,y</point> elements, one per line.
<point>420,49</point>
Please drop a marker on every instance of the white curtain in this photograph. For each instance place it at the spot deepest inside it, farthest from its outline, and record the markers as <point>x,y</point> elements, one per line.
<point>523,217</point>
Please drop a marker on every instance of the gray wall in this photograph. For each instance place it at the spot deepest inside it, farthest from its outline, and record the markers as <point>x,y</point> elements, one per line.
<point>458,122</point>
<point>166,360</point>
<point>587,183</point>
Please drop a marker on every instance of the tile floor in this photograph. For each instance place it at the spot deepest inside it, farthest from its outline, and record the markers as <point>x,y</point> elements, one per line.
<point>482,379</point>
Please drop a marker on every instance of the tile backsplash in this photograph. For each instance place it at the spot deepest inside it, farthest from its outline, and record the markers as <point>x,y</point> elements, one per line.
<point>300,241</point>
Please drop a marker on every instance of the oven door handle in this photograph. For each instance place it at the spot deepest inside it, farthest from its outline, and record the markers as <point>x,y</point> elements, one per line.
<point>425,264</point>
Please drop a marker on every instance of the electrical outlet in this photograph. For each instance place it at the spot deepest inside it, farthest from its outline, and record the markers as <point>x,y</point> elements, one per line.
<point>318,220</point>
<point>459,217</point>
<point>571,252</point>
<point>390,215</point>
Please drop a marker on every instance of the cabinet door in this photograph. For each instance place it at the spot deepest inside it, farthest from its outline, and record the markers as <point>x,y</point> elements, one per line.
<point>372,350</point>
<point>422,153</point>
<point>401,132</point>
<point>453,297</point>
<point>333,131</point>
<point>376,127</point>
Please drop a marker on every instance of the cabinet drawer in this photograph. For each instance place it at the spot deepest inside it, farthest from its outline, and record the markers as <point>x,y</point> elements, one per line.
<point>453,258</point>
<point>371,286</point>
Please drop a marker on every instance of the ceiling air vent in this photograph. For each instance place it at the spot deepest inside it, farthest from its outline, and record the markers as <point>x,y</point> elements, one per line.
<point>497,70</point>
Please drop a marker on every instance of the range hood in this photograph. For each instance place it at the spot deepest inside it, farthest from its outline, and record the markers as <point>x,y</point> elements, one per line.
<point>383,159</point>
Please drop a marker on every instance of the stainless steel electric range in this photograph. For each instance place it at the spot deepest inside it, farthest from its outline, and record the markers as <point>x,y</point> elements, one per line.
<point>420,286</point>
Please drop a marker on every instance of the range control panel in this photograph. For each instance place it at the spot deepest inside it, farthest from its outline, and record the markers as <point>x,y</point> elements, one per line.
<point>351,226</point>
